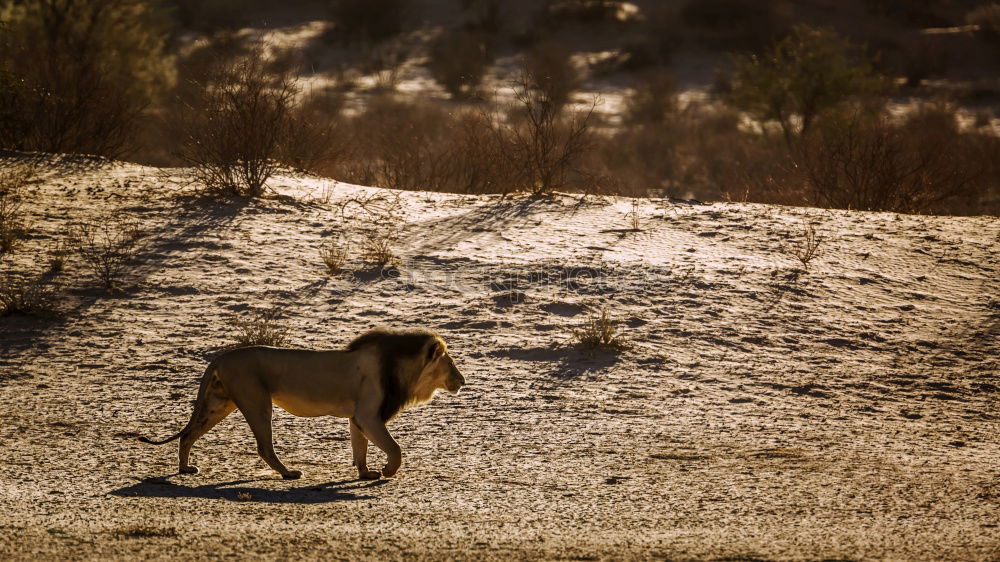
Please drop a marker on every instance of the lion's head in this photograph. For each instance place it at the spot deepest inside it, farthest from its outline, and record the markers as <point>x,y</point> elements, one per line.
<point>414,364</point>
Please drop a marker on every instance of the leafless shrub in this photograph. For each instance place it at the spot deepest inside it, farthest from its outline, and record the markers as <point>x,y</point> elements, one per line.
<point>548,146</point>
<point>549,72</point>
<point>866,162</point>
<point>237,126</point>
<point>653,100</point>
<point>334,255</point>
<point>13,180</point>
<point>458,60</point>
<point>806,247</point>
<point>262,328</point>
<point>107,248</point>
<point>319,140</point>
<point>26,297</point>
<point>385,62</point>
<point>601,331</point>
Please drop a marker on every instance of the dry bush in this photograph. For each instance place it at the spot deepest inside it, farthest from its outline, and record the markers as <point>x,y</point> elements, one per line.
<point>458,60</point>
<point>366,21</point>
<point>601,331</point>
<point>107,248</point>
<point>237,126</point>
<point>75,75</point>
<point>334,256</point>
<point>13,180</point>
<point>548,146</point>
<point>27,297</point>
<point>805,248</point>
<point>549,72</point>
<point>396,144</point>
<point>320,138</point>
<point>697,152</point>
<point>262,328</point>
<point>653,99</point>
<point>861,161</point>
<point>385,62</point>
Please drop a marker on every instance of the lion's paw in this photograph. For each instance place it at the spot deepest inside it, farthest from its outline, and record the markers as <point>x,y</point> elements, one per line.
<point>369,475</point>
<point>387,471</point>
<point>190,469</point>
<point>292,475</point>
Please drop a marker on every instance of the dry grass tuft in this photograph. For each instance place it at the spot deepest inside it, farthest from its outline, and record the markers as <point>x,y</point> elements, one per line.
<point>334,256</point>
<point>601,332</point>
<point>377,249</point>
<point>261,329</point>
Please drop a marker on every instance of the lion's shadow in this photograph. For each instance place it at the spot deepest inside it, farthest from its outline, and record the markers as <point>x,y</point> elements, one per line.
<point>162,487</point>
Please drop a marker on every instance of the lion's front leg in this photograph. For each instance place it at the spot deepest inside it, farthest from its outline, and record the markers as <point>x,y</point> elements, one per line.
<point>375,430</point>
<point>359,447</point>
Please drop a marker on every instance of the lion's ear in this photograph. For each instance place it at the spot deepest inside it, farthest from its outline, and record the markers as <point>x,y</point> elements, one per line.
<point>434,352</point>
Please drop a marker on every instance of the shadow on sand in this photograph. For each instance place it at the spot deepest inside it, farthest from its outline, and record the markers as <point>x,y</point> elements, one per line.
<point>236,490</point>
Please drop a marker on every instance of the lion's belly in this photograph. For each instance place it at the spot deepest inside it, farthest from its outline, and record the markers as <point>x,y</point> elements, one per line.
<point>308,408</point>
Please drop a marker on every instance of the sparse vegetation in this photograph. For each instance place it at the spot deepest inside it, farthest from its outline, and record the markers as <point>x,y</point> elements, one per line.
<point>107,247</point>
<point>334,255</point>
<point>13,180</point>
<point>377,248</point>
<point>262,328</point>
<point>806,247</point>
<point>458,60</point>
<point>75,75</point>
<point>24,296</point>
<point>601,331</point>
<point>634,217</point>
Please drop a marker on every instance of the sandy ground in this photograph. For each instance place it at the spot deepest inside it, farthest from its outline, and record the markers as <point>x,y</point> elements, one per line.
<point>849,411</point>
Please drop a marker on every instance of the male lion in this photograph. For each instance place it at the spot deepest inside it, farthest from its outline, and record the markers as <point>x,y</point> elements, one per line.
<point>379,374</point>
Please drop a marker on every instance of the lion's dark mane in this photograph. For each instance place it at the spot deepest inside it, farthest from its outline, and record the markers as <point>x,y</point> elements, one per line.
<point>393,345</point>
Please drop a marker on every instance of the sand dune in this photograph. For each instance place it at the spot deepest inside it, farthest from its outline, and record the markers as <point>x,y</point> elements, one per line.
<point>764,410</point>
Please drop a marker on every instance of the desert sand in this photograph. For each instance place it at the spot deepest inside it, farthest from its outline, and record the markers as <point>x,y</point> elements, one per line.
<point>764,410</point>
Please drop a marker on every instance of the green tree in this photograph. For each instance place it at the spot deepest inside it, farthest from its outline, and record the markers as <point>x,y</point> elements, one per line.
<point>802,76</point>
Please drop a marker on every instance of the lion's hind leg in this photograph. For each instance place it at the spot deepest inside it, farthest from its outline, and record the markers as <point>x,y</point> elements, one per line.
<point>254,402</point>
<point>216,405</point>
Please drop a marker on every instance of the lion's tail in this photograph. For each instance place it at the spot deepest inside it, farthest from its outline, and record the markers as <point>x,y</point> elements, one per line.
<point>199,401</point>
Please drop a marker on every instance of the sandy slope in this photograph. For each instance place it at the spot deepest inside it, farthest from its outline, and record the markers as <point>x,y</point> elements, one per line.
<point>850,411</point>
